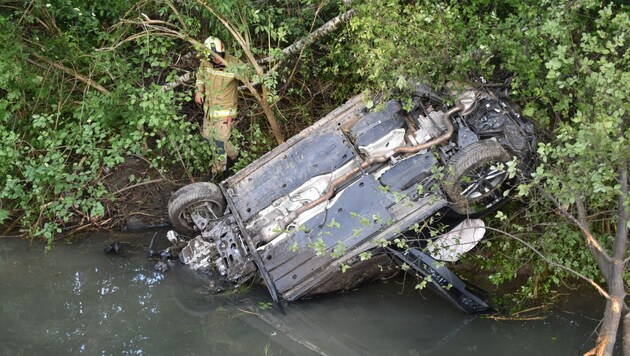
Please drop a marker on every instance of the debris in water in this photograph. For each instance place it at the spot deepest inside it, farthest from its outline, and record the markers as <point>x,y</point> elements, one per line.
<point>116,248</point>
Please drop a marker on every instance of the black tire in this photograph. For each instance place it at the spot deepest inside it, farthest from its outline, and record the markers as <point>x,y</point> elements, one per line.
<point>472,183</point>
<point>204,198</point>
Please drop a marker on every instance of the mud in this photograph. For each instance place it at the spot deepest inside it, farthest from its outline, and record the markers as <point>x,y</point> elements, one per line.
<point>141,194</point>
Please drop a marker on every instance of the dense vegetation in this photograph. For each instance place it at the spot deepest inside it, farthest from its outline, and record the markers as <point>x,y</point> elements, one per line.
<point>81,90</point>
<point>81,84</point>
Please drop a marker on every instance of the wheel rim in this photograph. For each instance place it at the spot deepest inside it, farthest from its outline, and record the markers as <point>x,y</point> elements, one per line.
<point>199,214</point>
<point>482,182</point>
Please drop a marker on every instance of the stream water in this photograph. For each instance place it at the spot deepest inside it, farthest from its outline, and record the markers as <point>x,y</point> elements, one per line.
<point>77,300</point>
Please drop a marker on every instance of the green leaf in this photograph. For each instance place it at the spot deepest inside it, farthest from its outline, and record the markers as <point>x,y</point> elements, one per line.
<point>334,224</point>
<point>344,268</point>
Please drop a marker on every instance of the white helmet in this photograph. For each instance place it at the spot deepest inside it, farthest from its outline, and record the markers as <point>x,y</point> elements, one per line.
<point>215,45</point>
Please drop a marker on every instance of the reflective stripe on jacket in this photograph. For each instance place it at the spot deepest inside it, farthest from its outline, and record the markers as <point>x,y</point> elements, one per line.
<point>220,88</point>
<point>223,113</point>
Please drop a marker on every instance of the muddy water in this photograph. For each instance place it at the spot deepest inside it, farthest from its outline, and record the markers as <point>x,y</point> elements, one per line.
<point>77,300</point>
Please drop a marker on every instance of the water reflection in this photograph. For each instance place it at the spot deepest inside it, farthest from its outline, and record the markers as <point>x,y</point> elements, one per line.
<point>148,279</point>
<point>76,300</point>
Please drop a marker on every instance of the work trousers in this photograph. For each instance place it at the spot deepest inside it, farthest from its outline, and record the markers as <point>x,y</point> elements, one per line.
<point>217,128</point>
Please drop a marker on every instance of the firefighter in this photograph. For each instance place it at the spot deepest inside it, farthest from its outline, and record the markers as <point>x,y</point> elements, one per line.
<point>217,90</point>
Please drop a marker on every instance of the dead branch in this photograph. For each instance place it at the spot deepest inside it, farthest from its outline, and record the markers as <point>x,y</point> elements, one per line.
<point>247,311</point>
<point>330,26</point>
<point>72,72</point>
<point>155,27</point>
<point>84,226</point>
<point>138,185</point>
<point>184,79</point>
<point>516,318</point>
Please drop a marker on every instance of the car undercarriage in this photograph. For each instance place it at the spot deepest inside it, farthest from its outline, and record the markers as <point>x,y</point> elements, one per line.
<point>355,197</point>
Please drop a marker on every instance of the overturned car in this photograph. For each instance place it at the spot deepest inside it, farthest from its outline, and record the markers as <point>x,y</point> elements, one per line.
<point>356,193</point>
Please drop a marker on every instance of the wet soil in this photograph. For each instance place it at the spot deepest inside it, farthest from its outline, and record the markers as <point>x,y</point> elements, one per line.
<point>141,194</point>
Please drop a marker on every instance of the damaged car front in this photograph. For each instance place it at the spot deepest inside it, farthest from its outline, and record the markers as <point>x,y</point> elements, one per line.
<point>332,207</point>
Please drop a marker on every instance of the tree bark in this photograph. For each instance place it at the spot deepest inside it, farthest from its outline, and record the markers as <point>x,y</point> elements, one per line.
<point>625,338</point>
<point>616,286</point>
<point>186,78</point>
<point>604,261</point>
<point>328,27</point>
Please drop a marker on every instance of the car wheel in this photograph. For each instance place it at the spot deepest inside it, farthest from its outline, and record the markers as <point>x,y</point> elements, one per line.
<point>475,177</point>
<point>202,199</point>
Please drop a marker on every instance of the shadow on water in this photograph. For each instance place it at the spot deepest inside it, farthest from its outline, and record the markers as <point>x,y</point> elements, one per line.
<point>77,300</point>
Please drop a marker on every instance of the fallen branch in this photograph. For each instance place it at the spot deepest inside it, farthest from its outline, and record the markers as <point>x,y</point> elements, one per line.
<point>325,29</point>
<point>138,185</point>
<point>89,82</point>
<point>247,311</point>
<point>82,227</point>
<point>184,79</point>
<point>516,318</point>
<point>293,49</point>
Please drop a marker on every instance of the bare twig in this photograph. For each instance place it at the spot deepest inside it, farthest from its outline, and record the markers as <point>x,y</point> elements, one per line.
<point>552,263</point>
<point>319,8</point>
<point>72,72</point>
<point>247,311</point>
<point>84,226</point>
<point>598,250</point>
<point>138,185</point>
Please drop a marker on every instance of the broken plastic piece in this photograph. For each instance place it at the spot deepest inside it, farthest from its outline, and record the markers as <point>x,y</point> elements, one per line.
<point>461,239</point>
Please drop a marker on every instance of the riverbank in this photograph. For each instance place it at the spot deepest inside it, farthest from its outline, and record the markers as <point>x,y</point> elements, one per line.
<point>137,198</point>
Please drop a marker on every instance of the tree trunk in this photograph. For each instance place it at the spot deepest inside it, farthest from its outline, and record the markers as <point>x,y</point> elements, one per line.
<point>612,315</point>
<point>625,332</point>
<point>616,286</point>
<point>275,128</point>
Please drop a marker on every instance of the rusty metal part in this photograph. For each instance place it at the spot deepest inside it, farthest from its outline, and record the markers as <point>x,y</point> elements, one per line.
<point>330,191</point>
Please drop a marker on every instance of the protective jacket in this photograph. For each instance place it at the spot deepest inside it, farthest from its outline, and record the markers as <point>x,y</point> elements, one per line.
<point>220,90</point>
